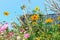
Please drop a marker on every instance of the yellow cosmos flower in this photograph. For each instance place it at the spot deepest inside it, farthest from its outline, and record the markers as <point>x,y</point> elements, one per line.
<point>58,18</point>
<point>48,20</point>
<point>34,17</point>
<point>34,23</point>
<point>36,8</point>
<point>37,38</point>
<point>58,25</point>
<point>6,13</point>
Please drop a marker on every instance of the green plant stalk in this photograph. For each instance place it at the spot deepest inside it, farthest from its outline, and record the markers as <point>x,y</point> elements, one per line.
<point>30,28</point>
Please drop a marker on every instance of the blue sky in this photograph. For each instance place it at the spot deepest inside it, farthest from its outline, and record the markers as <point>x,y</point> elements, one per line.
<point>13,7</point>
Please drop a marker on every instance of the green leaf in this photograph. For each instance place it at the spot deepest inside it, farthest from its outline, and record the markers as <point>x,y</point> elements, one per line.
<point>31,37</point>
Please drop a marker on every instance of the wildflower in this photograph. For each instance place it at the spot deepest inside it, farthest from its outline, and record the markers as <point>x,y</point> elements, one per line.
<point>1,32</point>
<point>38,38</point>
<point>6,13</point>
<point>4,27</point>
<point>48,20</point>
<point>58,25</point>
<point>34,23</point>
<point>10,34</point>
<point>34,17</point>
<point>26,35</point>
<point>18,37</point>
<point>36,8</point>
<point>58,18</point>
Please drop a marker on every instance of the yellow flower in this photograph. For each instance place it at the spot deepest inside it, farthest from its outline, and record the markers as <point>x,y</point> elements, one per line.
<point>36,8</point>
<point>58,25</point>
<point>48,20</point>
<point>37,38</point>
<point>58,18</point>
<point>34,17</point>
<point>34,23</point>
<point>6,13</point>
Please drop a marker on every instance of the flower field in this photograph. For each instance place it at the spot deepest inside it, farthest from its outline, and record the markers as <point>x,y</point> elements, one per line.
<point>35,26</point>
